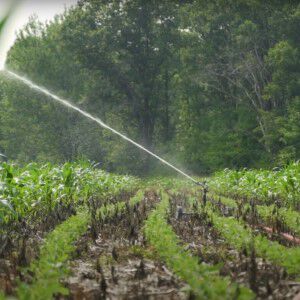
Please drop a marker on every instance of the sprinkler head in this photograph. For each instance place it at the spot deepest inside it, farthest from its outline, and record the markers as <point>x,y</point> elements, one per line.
<point>179,212</point>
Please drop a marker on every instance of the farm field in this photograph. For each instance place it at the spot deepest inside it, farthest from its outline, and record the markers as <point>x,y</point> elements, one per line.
<point>73,231</point>
<point>149,150</point>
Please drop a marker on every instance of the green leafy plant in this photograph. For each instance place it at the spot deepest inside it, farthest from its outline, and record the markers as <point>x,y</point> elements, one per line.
<point>3,22</point>
<point>203,279</point>
<point>35,190</point>
<point>266,212</point>
<point>263,185</point>
<point>240,235</point>
<point>51,265</point>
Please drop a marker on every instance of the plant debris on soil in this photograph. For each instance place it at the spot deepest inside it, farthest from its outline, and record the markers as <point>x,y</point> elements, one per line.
<point>196,231</point>
<point>119,264</point>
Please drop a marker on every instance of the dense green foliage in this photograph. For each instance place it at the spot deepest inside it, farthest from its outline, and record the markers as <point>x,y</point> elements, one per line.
<point>263,185</point>
<point>35,190</point>
<point>208,84</point>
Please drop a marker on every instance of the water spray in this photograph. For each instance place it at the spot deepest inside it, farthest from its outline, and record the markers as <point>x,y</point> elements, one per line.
<point>66,103</point>
<point>3,157</point>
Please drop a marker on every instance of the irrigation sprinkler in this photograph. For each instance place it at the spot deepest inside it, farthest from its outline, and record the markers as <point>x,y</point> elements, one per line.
<point>68,104</point>
<point>205,191</point>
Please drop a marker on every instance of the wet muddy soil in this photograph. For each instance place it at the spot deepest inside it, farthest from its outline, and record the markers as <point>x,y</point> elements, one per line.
<point>119,264</point>
<point>274,229</point>
<point>19,246</point>
<point>198,235</point>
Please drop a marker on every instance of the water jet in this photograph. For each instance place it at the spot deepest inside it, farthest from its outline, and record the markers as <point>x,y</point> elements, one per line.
<point>68,104</point>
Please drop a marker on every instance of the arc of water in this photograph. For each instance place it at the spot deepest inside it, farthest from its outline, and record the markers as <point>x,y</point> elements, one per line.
<point>95,119</point>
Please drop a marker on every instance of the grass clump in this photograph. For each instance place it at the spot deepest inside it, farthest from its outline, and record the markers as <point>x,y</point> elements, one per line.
<point>290,217</point>
<point>239,235</point>
<point>203,279</point>
<point>52,263</point>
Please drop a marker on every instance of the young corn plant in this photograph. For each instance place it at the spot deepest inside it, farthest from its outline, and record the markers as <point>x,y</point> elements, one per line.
<point>35,191</point>
<point>52,263</point>
<point>108,211</point>
<point>263,185</point>
<point>269,213</point>
<point>203,279</point>
<point>240,235</point>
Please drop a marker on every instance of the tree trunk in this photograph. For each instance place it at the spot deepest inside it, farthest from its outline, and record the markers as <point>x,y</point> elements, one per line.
<point>146,129</point>
<point>166,116</point>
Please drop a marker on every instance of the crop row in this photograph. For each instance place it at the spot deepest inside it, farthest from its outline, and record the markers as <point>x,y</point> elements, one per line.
<point>202,278</point>
<point>268,213</point>
<point>59,247</point>
<point>109,210</point>
<point>263,185</point>
<point>36,189</point>
<point>239,235</point>
<point>51,265</point>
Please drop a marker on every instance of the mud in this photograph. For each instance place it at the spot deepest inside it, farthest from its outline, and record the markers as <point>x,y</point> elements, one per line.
<point>198,235</point>
<point>119,264</point>
<point>20,244</point>
<point>279,230</point>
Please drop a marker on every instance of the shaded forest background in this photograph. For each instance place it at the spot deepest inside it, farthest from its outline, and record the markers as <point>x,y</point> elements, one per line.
<point>206,84</point>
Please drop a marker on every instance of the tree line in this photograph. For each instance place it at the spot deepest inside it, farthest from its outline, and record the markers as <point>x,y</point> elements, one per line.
<point>206,84</point>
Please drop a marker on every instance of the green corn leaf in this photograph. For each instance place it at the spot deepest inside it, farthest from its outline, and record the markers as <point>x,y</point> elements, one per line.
<point>4,20</point>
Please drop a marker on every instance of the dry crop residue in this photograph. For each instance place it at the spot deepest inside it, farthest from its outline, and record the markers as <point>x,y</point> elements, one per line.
<point>119,264</point>
<point>196,230</point>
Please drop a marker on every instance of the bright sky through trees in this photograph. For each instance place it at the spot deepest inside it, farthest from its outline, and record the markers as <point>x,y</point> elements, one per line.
<point>45,10</point>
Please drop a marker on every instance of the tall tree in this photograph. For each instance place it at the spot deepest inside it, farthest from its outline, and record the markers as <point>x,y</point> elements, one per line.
<point>208,84</point>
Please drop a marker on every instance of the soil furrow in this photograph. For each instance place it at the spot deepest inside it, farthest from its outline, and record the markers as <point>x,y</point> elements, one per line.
<point>197,232</point>
<point>118,264</point>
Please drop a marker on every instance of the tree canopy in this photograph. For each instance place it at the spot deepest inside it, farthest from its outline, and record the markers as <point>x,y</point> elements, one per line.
<point>207,84</point>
